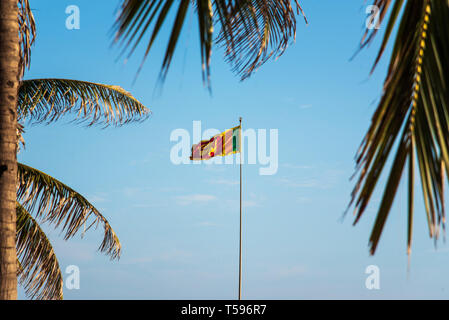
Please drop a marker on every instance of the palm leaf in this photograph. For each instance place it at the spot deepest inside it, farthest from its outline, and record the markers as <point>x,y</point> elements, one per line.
<point>19,134</point>
<point>248,29</point>
<point>254,31</point>
<point>58,204</point>
<point>38,270</point>
<point>27,34</point>
<point>414,106</point>
<point>47,100</point>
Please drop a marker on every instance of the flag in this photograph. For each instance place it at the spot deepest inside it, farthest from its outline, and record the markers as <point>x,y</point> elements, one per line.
<point>223,144</point>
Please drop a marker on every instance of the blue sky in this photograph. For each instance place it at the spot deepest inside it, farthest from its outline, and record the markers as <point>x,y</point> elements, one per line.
<point>178,225</point>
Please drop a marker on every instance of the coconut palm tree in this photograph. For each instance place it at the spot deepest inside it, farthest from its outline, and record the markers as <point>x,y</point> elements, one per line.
<point>40,197</point>
<point>10,64</point>
<point>411,122</point>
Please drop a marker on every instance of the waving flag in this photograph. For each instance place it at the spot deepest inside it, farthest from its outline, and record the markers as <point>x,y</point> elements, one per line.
<point>223,144</point>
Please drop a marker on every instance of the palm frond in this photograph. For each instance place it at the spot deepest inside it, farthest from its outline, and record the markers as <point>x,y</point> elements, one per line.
<point>254,31</point>
<point>38,270</point>
<point>136,17</point>
<point>412,116</point>
<point>251,30</point>
<point>47,100</point>
<point>54,202</point>
<point>20,140</point>
<point>27,34</point>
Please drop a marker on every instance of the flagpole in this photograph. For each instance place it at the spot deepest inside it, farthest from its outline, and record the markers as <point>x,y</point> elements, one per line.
<point>240,240</point>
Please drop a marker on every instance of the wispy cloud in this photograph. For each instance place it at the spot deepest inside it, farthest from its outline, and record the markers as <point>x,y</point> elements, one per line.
<point>133,192</point>
<point>75,250</point>
<point>214,168</point>
<point>195,199</point>
<point>307,183</point>
<point>321,179</point>
<point>98,198</point>
<point>296,166</point>
<point>293,101</point>
<point>147,205</point>
<point>250,204</point>
<point>253,201</point>
<point>173,255</point>
<point>290,271</point>
<point>245,203</point>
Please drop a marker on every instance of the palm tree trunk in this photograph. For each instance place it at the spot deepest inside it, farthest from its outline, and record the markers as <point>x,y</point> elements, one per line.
<point>9,79</point>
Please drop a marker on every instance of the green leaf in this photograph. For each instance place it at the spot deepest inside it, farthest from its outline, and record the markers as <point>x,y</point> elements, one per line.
<point>27,34</point>
<point>251,31</point>
<point>39,270</point>
<point>414,102</point>
<point>47,100</point>
<point>54,202</point>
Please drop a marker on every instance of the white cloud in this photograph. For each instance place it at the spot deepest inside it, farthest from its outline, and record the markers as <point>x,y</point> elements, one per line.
<point>149,205</point>
<point>291,271</point>
<point>133,191</point>
<point>308,183</point>
<point>322,179</point>
<point>173,255</point>
<point>246,203</point>
<point>98,198</point>
<point>296,166</point>
<point>74,250</point>
<point>195,198</point>
<point>250,204</point>
<point>214,168</point>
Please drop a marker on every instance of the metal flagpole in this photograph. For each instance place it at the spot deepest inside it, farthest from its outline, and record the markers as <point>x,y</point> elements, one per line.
<point>240,242</point>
